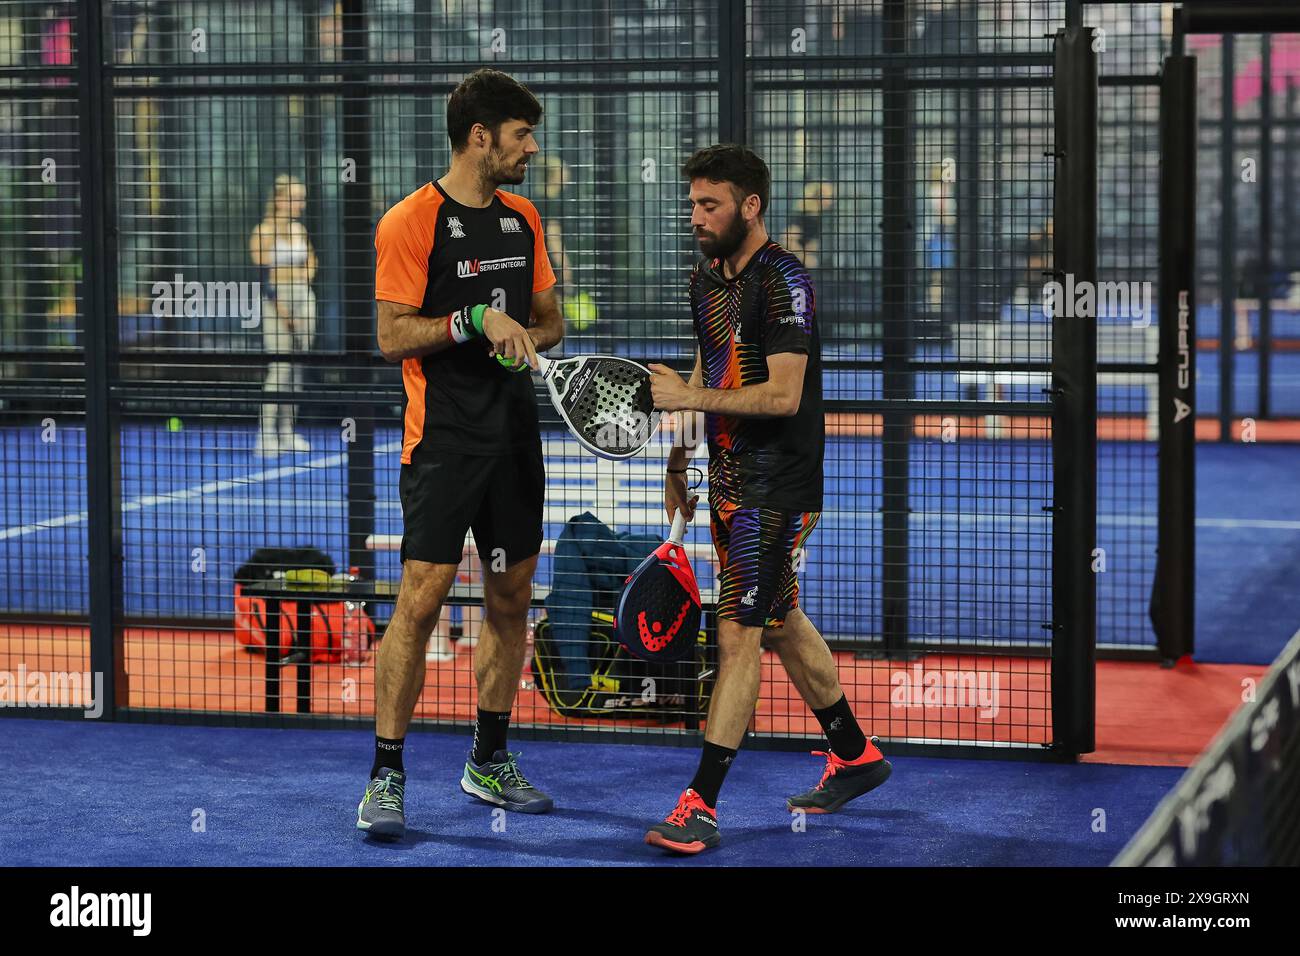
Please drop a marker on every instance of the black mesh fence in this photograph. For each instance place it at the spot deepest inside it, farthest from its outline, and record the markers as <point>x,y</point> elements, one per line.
<point>1248,246</point>
<point>1132,41</point>
<point>253,147</point>
<point>910,151</point>
<point>41,360</point>
<point>1245,294</point>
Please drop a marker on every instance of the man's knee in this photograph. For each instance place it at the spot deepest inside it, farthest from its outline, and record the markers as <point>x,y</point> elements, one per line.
<point>420,611</point>
<point>508,594</point>
<point>511,610</point>
<point>424,588</point>
<point>508,604</point>
<point>736,639</point>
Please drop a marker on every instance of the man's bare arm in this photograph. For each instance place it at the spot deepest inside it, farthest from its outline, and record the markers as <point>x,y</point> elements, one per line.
<point>403,333</point>
<point>689,425</point>
<point>778,397</point>
<point>547,330</point>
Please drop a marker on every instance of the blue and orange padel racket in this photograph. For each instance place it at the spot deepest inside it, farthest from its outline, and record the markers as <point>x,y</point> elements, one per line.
<point>658,614</point>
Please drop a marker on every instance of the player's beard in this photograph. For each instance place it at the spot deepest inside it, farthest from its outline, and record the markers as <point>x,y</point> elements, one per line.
<point>728,241</point>
<point>499,171</point>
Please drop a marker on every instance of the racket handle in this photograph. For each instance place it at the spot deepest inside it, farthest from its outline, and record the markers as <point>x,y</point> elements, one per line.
<point>678,531</point>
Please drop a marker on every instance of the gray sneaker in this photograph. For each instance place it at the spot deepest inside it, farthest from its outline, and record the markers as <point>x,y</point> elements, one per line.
<point>501,782</point>
<point>380,811</point>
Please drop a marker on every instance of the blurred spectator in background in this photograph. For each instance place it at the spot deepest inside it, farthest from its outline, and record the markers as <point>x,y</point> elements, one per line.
<point>1026,282</point>
<point>130,21</point>
<point>282,250</point>
<point>553,177</point>
<point>850,27</point>
<point>58,208</point>
<point>803,233</point>
<point>56,39</point>
<point>772,27</point>
<point>141,194</point>
<point>1252,288</point>
<point>940,249</point>
<point>329,34</point>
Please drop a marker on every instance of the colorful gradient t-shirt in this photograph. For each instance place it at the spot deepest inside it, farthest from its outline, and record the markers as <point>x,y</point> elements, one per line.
<point>767,309</point>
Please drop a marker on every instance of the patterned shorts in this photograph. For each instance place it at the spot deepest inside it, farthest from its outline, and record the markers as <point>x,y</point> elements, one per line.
<point>758,582</point>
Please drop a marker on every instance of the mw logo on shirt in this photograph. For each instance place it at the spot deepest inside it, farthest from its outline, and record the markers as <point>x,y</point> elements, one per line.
<point>468,268</point>
<point>509,224</point>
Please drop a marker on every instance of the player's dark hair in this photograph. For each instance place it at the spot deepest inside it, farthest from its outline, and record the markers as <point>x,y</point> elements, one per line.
<point>731,163</point>
<point>489,97</point>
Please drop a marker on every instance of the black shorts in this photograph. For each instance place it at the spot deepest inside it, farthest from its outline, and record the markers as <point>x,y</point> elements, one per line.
<point>498,496</point>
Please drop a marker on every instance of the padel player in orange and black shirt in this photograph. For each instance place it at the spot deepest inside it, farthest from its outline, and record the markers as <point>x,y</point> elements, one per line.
<point>466,299</point>
<point>757,379</point>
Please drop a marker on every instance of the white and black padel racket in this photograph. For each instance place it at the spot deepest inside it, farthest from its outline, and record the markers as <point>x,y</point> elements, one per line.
<point>605,401</point>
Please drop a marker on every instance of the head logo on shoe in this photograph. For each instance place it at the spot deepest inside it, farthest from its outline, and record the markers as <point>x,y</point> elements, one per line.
<point>690,828</point>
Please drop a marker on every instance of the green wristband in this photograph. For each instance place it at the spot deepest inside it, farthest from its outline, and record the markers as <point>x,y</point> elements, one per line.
<point>476,317</point>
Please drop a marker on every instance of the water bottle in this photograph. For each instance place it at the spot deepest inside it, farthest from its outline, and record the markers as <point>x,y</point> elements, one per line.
<point>526,681</point>
<point>353,638</point>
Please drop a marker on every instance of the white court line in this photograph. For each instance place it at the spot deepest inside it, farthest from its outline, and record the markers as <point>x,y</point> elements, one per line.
<point>294,505</point>
<point>618,473</point>
<point>559,509</point>
<point>626,508</point>
<point>1262,524</point>
<point>1247,523</point>
<point>614,471</point>
<point>187,494</point>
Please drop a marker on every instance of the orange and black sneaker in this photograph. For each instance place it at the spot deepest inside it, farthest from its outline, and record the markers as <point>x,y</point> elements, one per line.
<point>690,828</point>
<point>843,780</point>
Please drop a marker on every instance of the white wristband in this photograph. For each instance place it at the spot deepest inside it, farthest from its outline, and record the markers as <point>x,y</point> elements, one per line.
<point>461,326</point>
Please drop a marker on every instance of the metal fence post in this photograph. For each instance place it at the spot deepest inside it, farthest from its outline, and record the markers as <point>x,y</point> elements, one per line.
<point>1074,388</point>
<point>100,339</point>
<point>733,118</point>
<point>358,285</point>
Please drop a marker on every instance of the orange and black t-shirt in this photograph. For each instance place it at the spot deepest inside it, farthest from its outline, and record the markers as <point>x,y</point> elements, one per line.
<point>434,254</point>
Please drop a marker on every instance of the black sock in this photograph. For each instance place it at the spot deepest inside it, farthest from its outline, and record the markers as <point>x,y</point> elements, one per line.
<point>715,761</point>
<point>489,734</point>
<point>848,742</point>
<point>388,753</point>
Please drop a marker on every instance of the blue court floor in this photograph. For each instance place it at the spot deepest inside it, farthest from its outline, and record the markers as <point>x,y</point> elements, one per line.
<point>129,795</point>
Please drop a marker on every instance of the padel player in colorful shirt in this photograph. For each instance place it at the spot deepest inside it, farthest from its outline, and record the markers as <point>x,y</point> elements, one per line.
<point>757,379</point>
<point>461,269</point>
